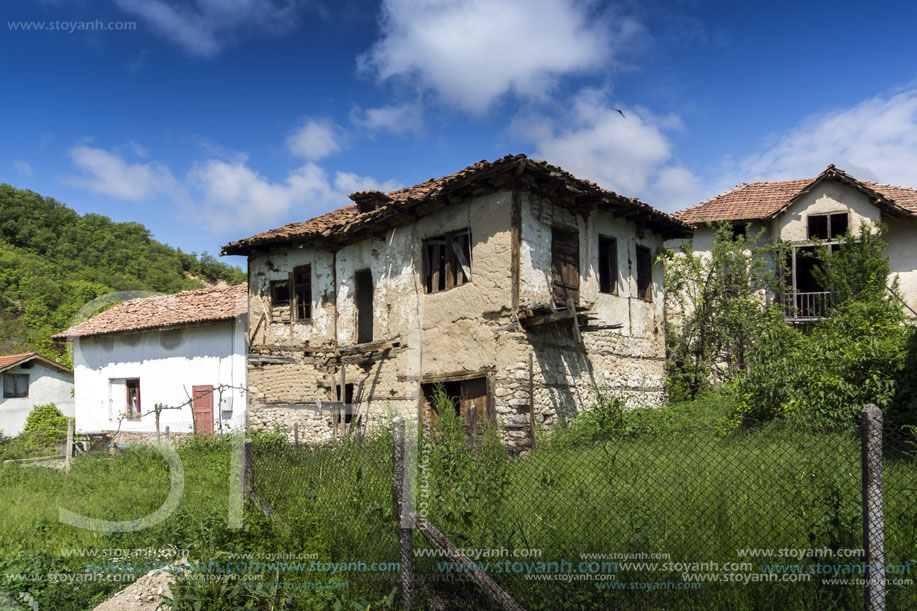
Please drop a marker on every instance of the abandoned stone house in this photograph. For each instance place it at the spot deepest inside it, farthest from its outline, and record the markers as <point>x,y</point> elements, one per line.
<point>806,211</point>
<point>517,286</point>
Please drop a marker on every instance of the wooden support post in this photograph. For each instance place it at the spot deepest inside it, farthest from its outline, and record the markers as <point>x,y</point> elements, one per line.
<point>246,468</point>
<point>532,396</point>
<point>873,522</point>
<point>296,434</point>
<point>68,451</point>
<point>158,412</point>
<point>402,492</point>
<point>168,435</point>
<point>474,573</point>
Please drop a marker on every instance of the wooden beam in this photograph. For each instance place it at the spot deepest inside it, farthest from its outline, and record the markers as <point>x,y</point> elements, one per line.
<point>516,246</point>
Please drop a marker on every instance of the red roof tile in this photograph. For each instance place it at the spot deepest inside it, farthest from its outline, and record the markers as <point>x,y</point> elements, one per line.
<point>12,360</point>
<point>762,200</point>
<point>377,205</point>
<point>177,310</point>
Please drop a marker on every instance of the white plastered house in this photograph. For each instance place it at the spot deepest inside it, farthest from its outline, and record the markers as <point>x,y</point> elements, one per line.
<point>185,352</point>
<point>29,380</point>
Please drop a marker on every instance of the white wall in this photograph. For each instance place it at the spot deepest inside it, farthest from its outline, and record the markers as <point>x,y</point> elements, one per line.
<point>826,198</point>
<point>46,385</point>
<point>167,364</point>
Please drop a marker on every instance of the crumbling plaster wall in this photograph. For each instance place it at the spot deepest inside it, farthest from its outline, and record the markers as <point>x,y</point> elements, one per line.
<point>828,197</point>
<point>463,329</point>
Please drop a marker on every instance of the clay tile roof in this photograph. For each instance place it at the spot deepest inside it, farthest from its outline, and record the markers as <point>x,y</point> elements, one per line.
<point>763,200</point>
<point>165,311</point>
<point>376,205</point>
<point>12,360</point>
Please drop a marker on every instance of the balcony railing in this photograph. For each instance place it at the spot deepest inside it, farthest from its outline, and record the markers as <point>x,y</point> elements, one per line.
<point>805,307</point>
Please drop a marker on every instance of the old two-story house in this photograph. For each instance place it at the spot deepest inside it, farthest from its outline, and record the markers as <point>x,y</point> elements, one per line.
<point>517,286</point>
<point>805,212</point>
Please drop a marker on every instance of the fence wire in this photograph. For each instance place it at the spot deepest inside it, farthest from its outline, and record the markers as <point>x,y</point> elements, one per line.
<point>764,518</point>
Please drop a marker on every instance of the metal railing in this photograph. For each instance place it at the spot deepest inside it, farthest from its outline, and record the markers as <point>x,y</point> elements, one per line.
<point>808,306</point>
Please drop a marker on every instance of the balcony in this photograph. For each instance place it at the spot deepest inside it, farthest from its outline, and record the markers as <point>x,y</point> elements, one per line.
<point>807,307</point>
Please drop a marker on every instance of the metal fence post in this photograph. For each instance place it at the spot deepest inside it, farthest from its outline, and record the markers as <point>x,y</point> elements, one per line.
<point>873,522</point>
<point>246,467</point>
<point>68,451</point>
<point>405,530</point>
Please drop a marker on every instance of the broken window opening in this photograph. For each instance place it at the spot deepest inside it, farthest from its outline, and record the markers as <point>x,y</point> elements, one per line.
<point>280,293</point>
<point>15,385</point>
<point>345,414</point>
<point>133,399</point>
<point>302,292</point>
<point>644,273</point>
<point>447,261</point>
<point>608,265</point>
<point>827,226</point>
<point>565,266</point>
<point>363,289</point>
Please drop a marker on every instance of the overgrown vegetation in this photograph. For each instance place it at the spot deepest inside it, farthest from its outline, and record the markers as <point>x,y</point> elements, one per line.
<point>53,261</point>
<point>729,330</point>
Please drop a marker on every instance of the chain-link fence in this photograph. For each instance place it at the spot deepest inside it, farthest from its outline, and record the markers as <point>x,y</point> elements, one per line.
<point>768,517</point>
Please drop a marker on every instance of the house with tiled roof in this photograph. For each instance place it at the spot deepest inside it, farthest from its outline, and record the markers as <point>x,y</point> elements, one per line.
<point>28,380</point>
<point>518,287</point>
<point>821,209</point>
<point>181,355</point>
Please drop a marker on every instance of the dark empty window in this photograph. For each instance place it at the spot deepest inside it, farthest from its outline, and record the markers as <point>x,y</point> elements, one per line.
<point>565,266</point>
<point>608,265</point>
<point>133,398</point>
<point>15,385</point>
<point>644,273</point>
<point>345,414</point>
<point>280,293</point>
<point>828,226</point>
<point>363,285</point>
<point>447,261</point>
<point>302,292</point>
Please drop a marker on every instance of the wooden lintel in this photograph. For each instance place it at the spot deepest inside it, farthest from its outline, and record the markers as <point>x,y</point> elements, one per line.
<point>457,376</point>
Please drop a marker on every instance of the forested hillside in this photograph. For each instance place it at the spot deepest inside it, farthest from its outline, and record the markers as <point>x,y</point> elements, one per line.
<point>53,261</point>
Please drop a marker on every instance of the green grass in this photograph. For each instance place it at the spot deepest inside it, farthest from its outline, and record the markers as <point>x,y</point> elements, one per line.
<point>647,483</point>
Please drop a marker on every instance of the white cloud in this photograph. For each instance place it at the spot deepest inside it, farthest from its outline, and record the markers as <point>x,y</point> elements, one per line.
<point>316,139</point>
<point>629,154</point>
<point>397,119</point>
<point>234,196</point>
<point>203,27</point>
<point>109,174</point>
<point>874,140</point>
<point>22,167</point>
<point>471,52</point>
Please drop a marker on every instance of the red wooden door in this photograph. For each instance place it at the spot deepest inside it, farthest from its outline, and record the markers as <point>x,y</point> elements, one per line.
<point>202,405</point>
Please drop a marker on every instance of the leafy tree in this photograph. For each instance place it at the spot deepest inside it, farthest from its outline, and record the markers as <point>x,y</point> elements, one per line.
<point>717,305</point>
<point>53,261</point>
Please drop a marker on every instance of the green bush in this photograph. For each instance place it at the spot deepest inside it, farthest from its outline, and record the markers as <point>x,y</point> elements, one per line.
<point>45,426</point>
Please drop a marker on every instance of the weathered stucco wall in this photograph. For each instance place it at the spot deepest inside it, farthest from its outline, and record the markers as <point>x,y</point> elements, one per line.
<point>46,385</point>
<point>168,364</point>
<point>902,255</point>
<point>826,198</point>
<point>469,328</point>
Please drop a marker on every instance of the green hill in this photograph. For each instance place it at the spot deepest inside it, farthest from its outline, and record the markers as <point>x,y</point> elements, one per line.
<point>53,261</point>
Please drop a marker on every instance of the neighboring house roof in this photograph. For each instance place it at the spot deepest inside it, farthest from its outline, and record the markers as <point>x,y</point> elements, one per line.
<point>14,360</point>
<point>375,209</point>
<point>764,200</point>
<point>165,311</point>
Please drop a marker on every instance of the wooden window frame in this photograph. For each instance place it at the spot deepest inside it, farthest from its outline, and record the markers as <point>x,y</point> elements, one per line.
<point>647,293</point>
<point>13,377</point>
<point>453,261</point>
<point>610,263</point>
<point>301,293</point>
<point>827,216</point>
<point>128,383</point>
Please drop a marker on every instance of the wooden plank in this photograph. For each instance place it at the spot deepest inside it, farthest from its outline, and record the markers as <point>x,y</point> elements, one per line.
<point>532,396</point>
<point>474,573</point>
<point>516,246</point>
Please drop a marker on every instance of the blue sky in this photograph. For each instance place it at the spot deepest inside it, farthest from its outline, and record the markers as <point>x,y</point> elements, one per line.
<point>210,120</point>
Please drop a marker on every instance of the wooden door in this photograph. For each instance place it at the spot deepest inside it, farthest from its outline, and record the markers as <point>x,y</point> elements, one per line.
<point>202,405</point>
<point>474,403</point>
<point>565,266</point>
